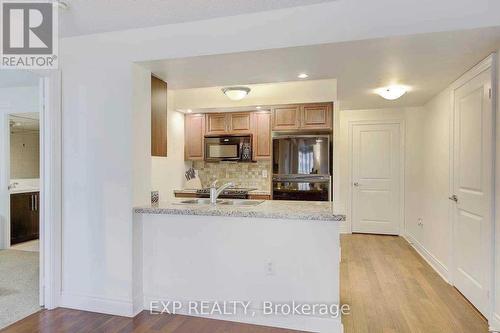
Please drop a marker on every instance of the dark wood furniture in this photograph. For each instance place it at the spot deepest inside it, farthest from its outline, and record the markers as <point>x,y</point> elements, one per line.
<point>158,117</point>
<point>24,217</point>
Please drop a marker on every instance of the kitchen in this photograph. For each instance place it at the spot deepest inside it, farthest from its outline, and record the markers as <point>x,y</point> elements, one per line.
<point>247,159</point>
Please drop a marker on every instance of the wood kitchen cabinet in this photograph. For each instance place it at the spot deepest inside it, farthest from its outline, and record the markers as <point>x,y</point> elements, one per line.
<point>158,117</point>
<point>240,122</point>
<point>286,117</point>
<point>194,129</point>
<point>216,123</point>
<point>314,116</point>
<point>262,135</point>
<point>228,123</point>
<point>24,217</point>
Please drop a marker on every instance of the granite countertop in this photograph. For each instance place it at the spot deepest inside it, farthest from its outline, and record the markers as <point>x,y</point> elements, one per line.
<point>291,210</point>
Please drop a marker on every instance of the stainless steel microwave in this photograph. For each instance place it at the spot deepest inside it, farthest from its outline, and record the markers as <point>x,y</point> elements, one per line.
<point>228,148</point>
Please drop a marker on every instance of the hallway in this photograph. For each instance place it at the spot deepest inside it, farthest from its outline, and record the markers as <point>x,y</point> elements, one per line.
<point>392,289</point>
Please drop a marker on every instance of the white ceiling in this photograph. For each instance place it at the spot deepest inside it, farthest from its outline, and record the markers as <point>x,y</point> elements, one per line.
<point>426,62</point>
<point>92,16</point>
<point>17,78</point>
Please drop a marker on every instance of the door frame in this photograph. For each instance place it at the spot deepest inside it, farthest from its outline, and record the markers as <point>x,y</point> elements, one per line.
<point>486,64</point>
<point>402,146</point>
<point>50,185</point>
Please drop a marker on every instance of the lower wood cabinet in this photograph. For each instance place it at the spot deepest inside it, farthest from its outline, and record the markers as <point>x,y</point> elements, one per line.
<point>24,217</point>
<point>259,197</point>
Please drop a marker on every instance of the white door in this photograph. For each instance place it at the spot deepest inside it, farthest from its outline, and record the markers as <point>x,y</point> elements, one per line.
<point>472,184</point>
<point>376,158</point>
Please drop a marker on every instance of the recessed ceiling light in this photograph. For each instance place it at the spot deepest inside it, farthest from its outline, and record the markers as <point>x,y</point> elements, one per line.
<point>236,93</point>
<point>303,76</point>
<point>60,4</point>
<point>391,92</point>
<point>189,110</point>
<point>258,107</point>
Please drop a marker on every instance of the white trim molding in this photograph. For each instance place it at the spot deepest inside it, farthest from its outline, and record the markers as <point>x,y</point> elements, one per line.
<point>495,323</point>
<point>434,262</point>
<point>116,307</point>
<point>291,322</point>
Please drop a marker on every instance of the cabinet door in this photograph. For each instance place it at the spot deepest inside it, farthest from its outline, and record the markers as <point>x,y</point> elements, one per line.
<point>21,207</point>
<point>262,135</point>
<point>317,116</point>
<point>286,117</point>
<point>240,123</point>
<point>194,139</point>
<point>217,123</point>
<point>158,117</point>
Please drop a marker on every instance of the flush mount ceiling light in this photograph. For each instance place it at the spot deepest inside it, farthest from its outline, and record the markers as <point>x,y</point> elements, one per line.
<point>236,93</point>
<point>392,92</point>
<point>303,76</point>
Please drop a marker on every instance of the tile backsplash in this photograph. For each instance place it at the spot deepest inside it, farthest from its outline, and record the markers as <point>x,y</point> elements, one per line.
<point>249,175</point>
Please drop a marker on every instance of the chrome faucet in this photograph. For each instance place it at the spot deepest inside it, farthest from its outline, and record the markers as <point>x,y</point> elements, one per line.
<point>215,192</point>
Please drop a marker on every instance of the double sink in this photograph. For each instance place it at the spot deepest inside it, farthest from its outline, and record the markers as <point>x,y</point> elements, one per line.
<point>221,202</point>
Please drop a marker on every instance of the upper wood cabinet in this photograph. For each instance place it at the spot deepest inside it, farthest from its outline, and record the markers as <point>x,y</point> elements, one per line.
<point>158,117</point>
<point>286,117</point>
<point>194,130</point>
<point>316,116</point>
<point>240,122</point>
<point>228,123</point>
<point>262,135</point>
<point>216,123</point>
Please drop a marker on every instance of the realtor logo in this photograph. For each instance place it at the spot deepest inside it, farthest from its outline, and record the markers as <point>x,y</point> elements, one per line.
<point>29,35</point>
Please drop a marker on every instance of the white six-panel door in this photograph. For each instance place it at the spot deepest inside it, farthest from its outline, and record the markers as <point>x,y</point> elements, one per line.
<point>472,188</point>
<point>376,158</point>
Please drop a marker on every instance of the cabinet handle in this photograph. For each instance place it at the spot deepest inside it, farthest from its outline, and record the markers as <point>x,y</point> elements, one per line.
<point>36,202</point>
<point>32,204</point>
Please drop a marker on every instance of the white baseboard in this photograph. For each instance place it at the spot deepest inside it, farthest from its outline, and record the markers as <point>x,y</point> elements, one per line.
<point>292,322</point>
<point>96,304</point>
<point>495,323</point>
<point>437,265</point>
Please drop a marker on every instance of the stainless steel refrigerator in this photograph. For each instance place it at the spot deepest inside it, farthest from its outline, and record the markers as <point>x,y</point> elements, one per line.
<point>301,167</point>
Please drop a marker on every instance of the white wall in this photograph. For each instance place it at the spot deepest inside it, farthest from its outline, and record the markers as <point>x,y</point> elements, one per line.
<point>412,118</point>
<point>433,238</point>
<point>168,172</point>
<point>20,99</point>
<point>261,94</point>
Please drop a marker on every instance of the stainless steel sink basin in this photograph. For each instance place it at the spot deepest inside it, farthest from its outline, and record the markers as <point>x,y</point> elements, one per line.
<point>241,202</point>
<point>221,202</point>
<point>198,202</point>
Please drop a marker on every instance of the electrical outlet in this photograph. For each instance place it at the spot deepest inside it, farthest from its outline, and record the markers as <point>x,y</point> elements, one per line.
<point>264,173</point>
<point>270,268</point>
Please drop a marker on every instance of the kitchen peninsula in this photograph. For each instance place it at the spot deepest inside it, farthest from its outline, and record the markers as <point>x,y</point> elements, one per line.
<point>242,250</point>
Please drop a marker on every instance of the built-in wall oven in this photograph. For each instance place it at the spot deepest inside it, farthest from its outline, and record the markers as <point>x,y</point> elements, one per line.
<point>301,167</point>
<point>228,148</point>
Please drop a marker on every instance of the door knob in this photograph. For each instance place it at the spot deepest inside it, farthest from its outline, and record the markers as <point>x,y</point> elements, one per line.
<point>355,184</point>
<point>453,198</point>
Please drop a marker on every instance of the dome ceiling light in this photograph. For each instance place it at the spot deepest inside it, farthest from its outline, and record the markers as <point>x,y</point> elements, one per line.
<point>391,92</point>
<point>236,93</point>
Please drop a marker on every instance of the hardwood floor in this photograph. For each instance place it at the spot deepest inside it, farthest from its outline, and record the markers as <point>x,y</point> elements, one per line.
<point>73,321</point>
<point>392,289</point>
